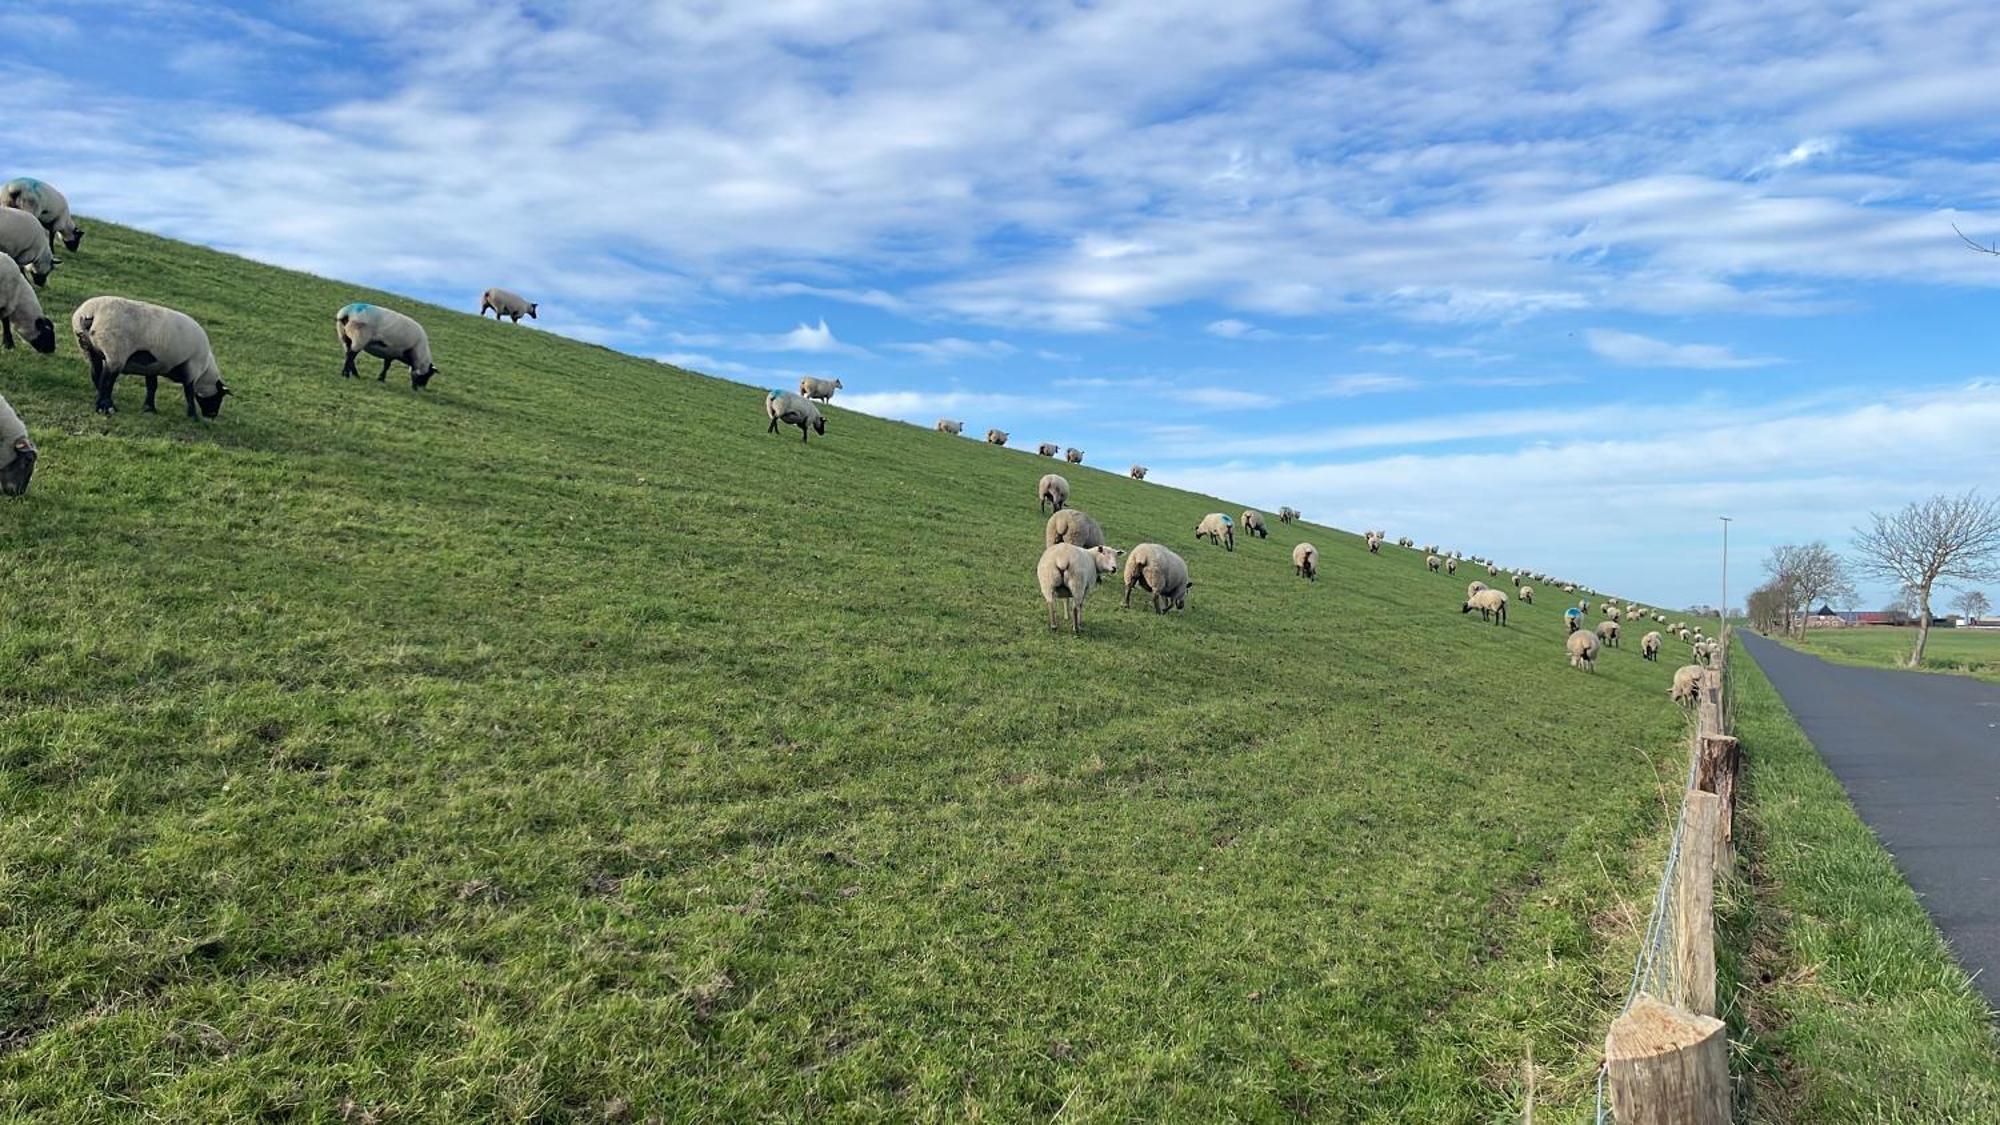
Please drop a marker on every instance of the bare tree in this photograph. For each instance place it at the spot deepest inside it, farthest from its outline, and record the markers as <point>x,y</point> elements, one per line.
<point>1971,603</point>
<point>1804,575</point>
<point>1949,537</point>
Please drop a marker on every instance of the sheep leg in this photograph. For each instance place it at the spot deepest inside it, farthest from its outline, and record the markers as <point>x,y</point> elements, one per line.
<point>347,368</point>
<point>805,434</point>
<point>773,427</point>
<point>187,391</point>
<point>1128,593</point>
<point>384,376</point>
<point>7,333</point>
<point>1052,614</point>
<point>1075,616</point>
<point>152,389</point>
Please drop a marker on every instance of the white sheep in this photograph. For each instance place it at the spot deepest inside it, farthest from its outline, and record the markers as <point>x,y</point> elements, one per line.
<point>1374,544</point>
<point>1607,631</point>
<point>996,437</point>
<point>1048,449</point>
<point>24,240</point>
<point>1491,604</point>
<point>1649,646</point>
<point>388,336</point>
<point>122,336</point>
<point>1253,524</point>
<point>48,207</point>
<point>1432,563</point>
<point>1305,561</point>
<point>950,426</point>
<point>1218,529</point>
<point>1451,565</point>
<point>506,302</point>
<point>21,311</point>
<point>1582,646</point>
<point>1073,455</point>
<point>17,452</point>
<point>793,410</point>
<point>1139,473</point>
<point>1159,572</point>
<point>1070,572</point>
<point>819,390</point>
<point>1527,595</point>
<point>1686,689</point>
<point>1474,587</point>
<point>1052,493</point>
<point>1074,527</point>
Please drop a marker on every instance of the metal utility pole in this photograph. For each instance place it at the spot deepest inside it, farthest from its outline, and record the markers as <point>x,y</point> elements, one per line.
<point>1724,630</point>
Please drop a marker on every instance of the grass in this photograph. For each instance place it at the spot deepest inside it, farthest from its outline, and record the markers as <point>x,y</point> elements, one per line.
<point>557,745</point>
<point>1966,652</point>
<point>1851,1007</point>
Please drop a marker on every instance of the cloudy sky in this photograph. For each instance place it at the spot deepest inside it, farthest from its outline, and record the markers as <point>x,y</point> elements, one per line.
<point>1531,280</point>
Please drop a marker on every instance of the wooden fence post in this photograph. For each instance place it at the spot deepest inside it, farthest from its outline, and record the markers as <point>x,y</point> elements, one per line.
<point>1715,772</point>
<point>1666,1066</point>
<point>1694,904</point>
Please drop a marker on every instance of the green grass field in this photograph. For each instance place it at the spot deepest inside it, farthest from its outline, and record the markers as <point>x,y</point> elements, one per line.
<point>555,744</point>
<point>1966,652</point>
<point>1851,1007</point>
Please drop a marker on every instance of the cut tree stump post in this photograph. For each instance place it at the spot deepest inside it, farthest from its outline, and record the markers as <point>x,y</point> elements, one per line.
<point>1694,904</point>
<point>1715,772</point>
<point>1666,1066</point>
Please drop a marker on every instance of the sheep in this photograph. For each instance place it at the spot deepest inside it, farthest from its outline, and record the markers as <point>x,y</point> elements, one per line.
<point>1527,595</point>
<point>1286,515</point>
<point>1491,604</point>
<point>950,426</point>
<point>1139,473</point>
<point>1686,690</point>
<point>1374,544</point>
<point>996,437</point>
<point>1607,631</point>
<point>20,308</point>
<point>1048,449</point>
<point>122,336</point>
<point>1406,541</point>
<point>1159,572</point>
<point>1584,605</point>
<point>1253,524</point>
<point>1582,646</point>
<point>1492,571</point>
<point>1684,635</point>
<point>17,452</point>
<point>1474,587</point>
<point>1073,455</point>
<point>1072,526</point>
<point>1070,572</point>
<point>24,240</point>
<point>1432,563</point>
<point>48,207</point>
<point>1611,614</point>
<point>388,336</point>
<point>506,302</point>
<point>793,410</point>
<point>1649,646</point>
<point>819,390</point>
<point>1218,529</point>
<point>1052,493</point>
<point>1305,561</point>
<point>1451,566</point>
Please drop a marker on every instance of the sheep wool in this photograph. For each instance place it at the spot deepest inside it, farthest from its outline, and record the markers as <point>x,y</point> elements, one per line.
<point>996,437</point>
<point>784,407</point>
<point>17,452</point>
<point>1253,524</point>
<point>1432,563</point>
<point>1072,526</point>
<point>1649,646</point>
<point>1073,456</point>
<point>388,336</point>
<point>1491,604</point>
<point>122,336</point>
<point>1048,449</point>
<point>1069,573</point>
<point>1607,631</point>
<point>950,426</point>
<point>1582,646</point>
<point>1527,595</point>
<point>1159,572</point>
<point>1052,492</point>
<point>1139,473</point>
<point>819,390</point>
<point>46,204</point>
<point>1472,588</point>
<point>1305,561</point>
<point>24,240</point>
<point>1686,689</point>
<point>21,312</point>
<point>507,303</point>
<point>1218,529</point>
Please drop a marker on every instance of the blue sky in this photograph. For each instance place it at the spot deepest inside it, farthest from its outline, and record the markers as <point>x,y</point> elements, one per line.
<point>1547,284</point>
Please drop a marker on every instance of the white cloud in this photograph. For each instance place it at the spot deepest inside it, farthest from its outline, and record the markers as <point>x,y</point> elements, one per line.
<point>947,349</point>
<point>1223,398</point>
<point>1634,350</point>
<point>1368,383</point>
<point>1231,329</point>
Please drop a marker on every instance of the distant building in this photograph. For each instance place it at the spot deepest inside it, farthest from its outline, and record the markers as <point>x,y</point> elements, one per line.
<point>1825,618</point>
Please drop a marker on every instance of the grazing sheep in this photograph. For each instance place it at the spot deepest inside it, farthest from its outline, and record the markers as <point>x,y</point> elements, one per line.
<point>1607,631</point>
<point>1451,566</point>
<point>1649,646</point>
<point>1286,515</point>
<point>21,309</point>
<point>1048,449</point>
<point>819,390</point>
<point>1374,544</point>
<point>1139,473</point>
<point>996,437</point>
<point>1305,561</point>
<point>1074,527</point>
<point>1491,604</point>
<point>1160,573</point>
<point>950,426</point>
<point>1582,646</point>
<point>388,336</point>
<point>123,336</point>
<point>1253,524</point>
<point>1474,587</point>
<point>793,410</point>
<point>1584,605</point>
<point>1527,595</point>
<point>1684,635</point>
<point>48,207</point>
<point>1053,493</point>
<point>1432,563</point>
<point>1687,685</point>
<point>1073,456</point>
<point>17,452</point>
<point>1611,614</point>
<point>24,240</point>
<point>1218,529</point>
<point>506,302</point>
<point>1492,571</point>
<point>1070,572</point>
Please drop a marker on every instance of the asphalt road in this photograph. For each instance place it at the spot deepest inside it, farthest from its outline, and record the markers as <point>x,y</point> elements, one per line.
<point>1919,754</point>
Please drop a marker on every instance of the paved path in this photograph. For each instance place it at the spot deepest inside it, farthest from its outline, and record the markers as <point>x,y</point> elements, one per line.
<point>1919,754</point>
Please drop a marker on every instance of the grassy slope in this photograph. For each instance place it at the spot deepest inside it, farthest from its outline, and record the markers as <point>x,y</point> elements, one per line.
<point>556,739</point>
<point>1856,1010</point>
<point>1971,652</point>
